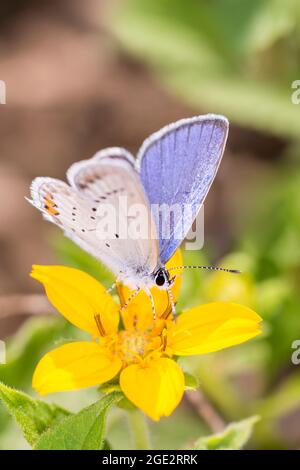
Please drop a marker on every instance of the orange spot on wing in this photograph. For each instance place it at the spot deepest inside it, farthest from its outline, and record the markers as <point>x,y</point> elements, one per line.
<point>51,210</point>
<point>50,206</point>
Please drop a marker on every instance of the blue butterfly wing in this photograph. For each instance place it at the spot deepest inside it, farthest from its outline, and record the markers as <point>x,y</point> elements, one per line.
<point>177,167</point>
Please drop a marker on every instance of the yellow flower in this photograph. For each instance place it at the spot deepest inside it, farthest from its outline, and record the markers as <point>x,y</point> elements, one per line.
<point>142,350</point>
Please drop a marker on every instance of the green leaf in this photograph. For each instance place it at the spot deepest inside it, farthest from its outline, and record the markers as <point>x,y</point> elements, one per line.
<point>81,431</point>
<point>33,416</point>
<point>234,436</point>
<point>190,381</point>
<point>106,445</point>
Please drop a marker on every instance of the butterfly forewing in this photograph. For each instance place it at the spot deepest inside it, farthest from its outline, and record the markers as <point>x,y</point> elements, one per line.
<point>177,166</point>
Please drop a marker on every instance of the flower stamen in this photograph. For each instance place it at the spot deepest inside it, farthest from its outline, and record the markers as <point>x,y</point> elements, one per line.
<point>99,324</point>
<point>164,340</point>
<point>167,312</point>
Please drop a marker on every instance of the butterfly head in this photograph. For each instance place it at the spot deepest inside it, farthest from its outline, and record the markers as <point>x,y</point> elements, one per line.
<point>162,278</point>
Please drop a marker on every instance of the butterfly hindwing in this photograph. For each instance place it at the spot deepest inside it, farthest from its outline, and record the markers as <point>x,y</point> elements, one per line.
<point>80,208</point>
<point>63,206</point>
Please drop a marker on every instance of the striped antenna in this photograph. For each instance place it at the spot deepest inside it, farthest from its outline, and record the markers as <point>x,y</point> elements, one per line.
<point>211,268</point>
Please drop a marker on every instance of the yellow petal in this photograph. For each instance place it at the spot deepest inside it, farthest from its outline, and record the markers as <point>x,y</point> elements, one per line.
<point>73,366</point>
<point>212,327</point>
<point>155,387</point>
<point>78,297</point>
<point>139,314</point>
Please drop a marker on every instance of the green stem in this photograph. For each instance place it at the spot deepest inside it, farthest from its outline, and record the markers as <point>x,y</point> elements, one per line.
<point>139,430</point>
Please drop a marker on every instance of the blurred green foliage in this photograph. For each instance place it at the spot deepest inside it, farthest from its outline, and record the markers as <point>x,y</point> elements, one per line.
<point>230,56</point>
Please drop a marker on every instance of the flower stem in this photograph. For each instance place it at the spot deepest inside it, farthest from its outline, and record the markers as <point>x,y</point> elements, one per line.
<point>205,410</point>
<point>139,430</point>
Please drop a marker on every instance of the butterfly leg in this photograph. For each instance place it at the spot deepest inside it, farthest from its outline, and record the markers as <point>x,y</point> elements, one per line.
<point>132,295</point>
<point>148,292</point>
<point>171,299</point>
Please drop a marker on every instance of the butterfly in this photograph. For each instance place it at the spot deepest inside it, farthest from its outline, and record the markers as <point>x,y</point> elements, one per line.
<point>175,166</point>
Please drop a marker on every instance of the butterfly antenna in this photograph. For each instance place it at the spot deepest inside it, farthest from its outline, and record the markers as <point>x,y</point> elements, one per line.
<point>210,268</point>
<point>134,294</point>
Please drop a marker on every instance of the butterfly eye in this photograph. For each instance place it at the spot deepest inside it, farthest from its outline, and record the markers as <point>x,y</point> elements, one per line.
<point>160,279</point>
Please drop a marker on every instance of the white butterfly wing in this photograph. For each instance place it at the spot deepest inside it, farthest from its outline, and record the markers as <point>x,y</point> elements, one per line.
<point>105,192</point>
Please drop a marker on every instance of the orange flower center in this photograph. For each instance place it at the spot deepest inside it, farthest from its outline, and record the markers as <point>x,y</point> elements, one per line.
<point>132,345</point>
<point>135,346</point>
